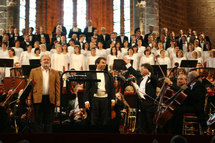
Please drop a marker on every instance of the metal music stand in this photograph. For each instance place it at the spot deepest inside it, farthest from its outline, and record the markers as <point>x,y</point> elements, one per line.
<point>157,70</point>
<point>131,99</point>
<point>35,63</point>
<point>6,63</point>
<point>26,69</point>
<point>188,63</point>
<point>119,64</point>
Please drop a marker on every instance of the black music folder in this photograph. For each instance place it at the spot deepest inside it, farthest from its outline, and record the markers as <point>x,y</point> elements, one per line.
<point>26,69</point>
<point>35,63</point>
<point>131,99</point>
<point>157,71</point>
<point>6,62</point>
<point>189,63</point>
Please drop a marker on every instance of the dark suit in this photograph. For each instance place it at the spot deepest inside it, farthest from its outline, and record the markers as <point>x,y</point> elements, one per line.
<point>71,32</point>
<point>88,34</point>
<point>64,31</point>
<point>194,103</point>
<point>146,38</point>
<point>101,38</point>
<point>25,44</point>
<point>100,107</point>
<point>147,106</point>
<point>46,37</point>
<point>118,38</point>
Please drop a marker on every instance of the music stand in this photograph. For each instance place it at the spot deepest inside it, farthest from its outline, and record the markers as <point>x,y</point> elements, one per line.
<point>81,98</point>
<point>6,62</point>
<point>188,63</point>
<point>26,69</point>
<point>119,64</point>
<point>157,70</point>
<point>35,63</point>
<point>131,99</point>
<point>26,91</point>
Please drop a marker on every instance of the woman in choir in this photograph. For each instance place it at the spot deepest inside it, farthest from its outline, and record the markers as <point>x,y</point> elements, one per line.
<point>179,57</point>
<point>36,54</point>
<point>17,48</point>
<point>170,50</point>
<point>100,51</point>
<point>58,60</point>
<point>43,50</point>
<point>190,49</point>
<point>12,55</point>
<point>36,45</point>
<point>77,59</point>
<point>54,47</point>
<point>71,46</point>
<point>67,56</point>
<point>163,60</point>
<point>125,48</point>
<point>141,48</point>
<point>119,51</point>
<point>211,59</point>
<point>92,58</point>
<point>147,58</point>
<point>26,55</point>
<point>196,45</point>
<point>4,51</point>
<point>206,51</point>
<point>86,49</point>
<point>112,57</point>
<point>154,47</point>
<point>160,47</point>
<point>173,55</point>
<point>196,56</point>
<point>133,57</point>
<point>112,44</point>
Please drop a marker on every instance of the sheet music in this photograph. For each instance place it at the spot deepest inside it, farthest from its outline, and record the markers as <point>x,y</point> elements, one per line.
<point>137,88</point>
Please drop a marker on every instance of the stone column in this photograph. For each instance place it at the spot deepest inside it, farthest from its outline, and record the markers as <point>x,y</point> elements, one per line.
<point>152,15</point>
<point>3,15</point>
<point>13,15</point>
<point>139,16</point>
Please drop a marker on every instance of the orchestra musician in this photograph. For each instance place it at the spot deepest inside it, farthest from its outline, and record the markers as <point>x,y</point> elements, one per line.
<point>194,102</point>
<point>100,96</point>
<point>147,83</point>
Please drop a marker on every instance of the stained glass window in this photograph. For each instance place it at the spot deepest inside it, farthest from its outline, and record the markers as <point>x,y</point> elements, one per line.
<point>81,14</point>
<point>32,14</point>
<point>22,16</point>
<point>68,14</point>
<point>116,16</point>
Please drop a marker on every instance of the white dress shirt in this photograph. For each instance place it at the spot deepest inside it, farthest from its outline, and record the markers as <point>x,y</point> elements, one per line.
<point>45,81</point>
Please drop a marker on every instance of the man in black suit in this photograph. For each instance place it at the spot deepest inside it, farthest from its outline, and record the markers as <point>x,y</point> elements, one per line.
<point>122,38</point>
<point>88,31</point>
<point>43,34</point>
<point>100,96</point>
<point>147,83</point>
<point>31,35</point>
<point>61,27</point>
<point>151,29</point>
<point>74,30</point>
<point>113,36</point>
<point>24,44</point>
<point>104,37</point>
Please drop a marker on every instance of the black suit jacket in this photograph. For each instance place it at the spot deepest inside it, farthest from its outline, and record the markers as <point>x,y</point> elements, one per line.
<point>46,37</point>
<point>88,34</point>
<point>24,45</point>
<point>71,32</point>
<point>101,38</point>
<point>64,31</point>
<point>151,85</point>
<point>92,87</point>
<point>118,38</point>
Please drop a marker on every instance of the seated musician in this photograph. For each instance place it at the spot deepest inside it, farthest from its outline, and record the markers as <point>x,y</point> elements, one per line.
<point>194,102</point>
<point>209,107</point>
<point>6,123</point>
<point>74,112</point>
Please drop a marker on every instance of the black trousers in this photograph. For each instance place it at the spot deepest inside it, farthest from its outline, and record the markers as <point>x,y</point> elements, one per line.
<point>100,113</point>
<point>43,115</point>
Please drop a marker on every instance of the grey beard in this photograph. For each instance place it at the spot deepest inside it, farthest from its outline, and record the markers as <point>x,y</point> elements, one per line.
<point>46,65</point>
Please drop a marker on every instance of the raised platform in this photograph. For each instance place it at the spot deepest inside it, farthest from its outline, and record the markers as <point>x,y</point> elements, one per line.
<point>97,138</point>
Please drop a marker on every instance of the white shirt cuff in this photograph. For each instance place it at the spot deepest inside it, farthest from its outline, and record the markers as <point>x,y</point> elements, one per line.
<point>128,65</point>
<point>87,102</point>
<point>113,100</point>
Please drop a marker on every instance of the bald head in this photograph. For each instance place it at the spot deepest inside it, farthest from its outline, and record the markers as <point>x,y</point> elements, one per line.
<point>192,75</point>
